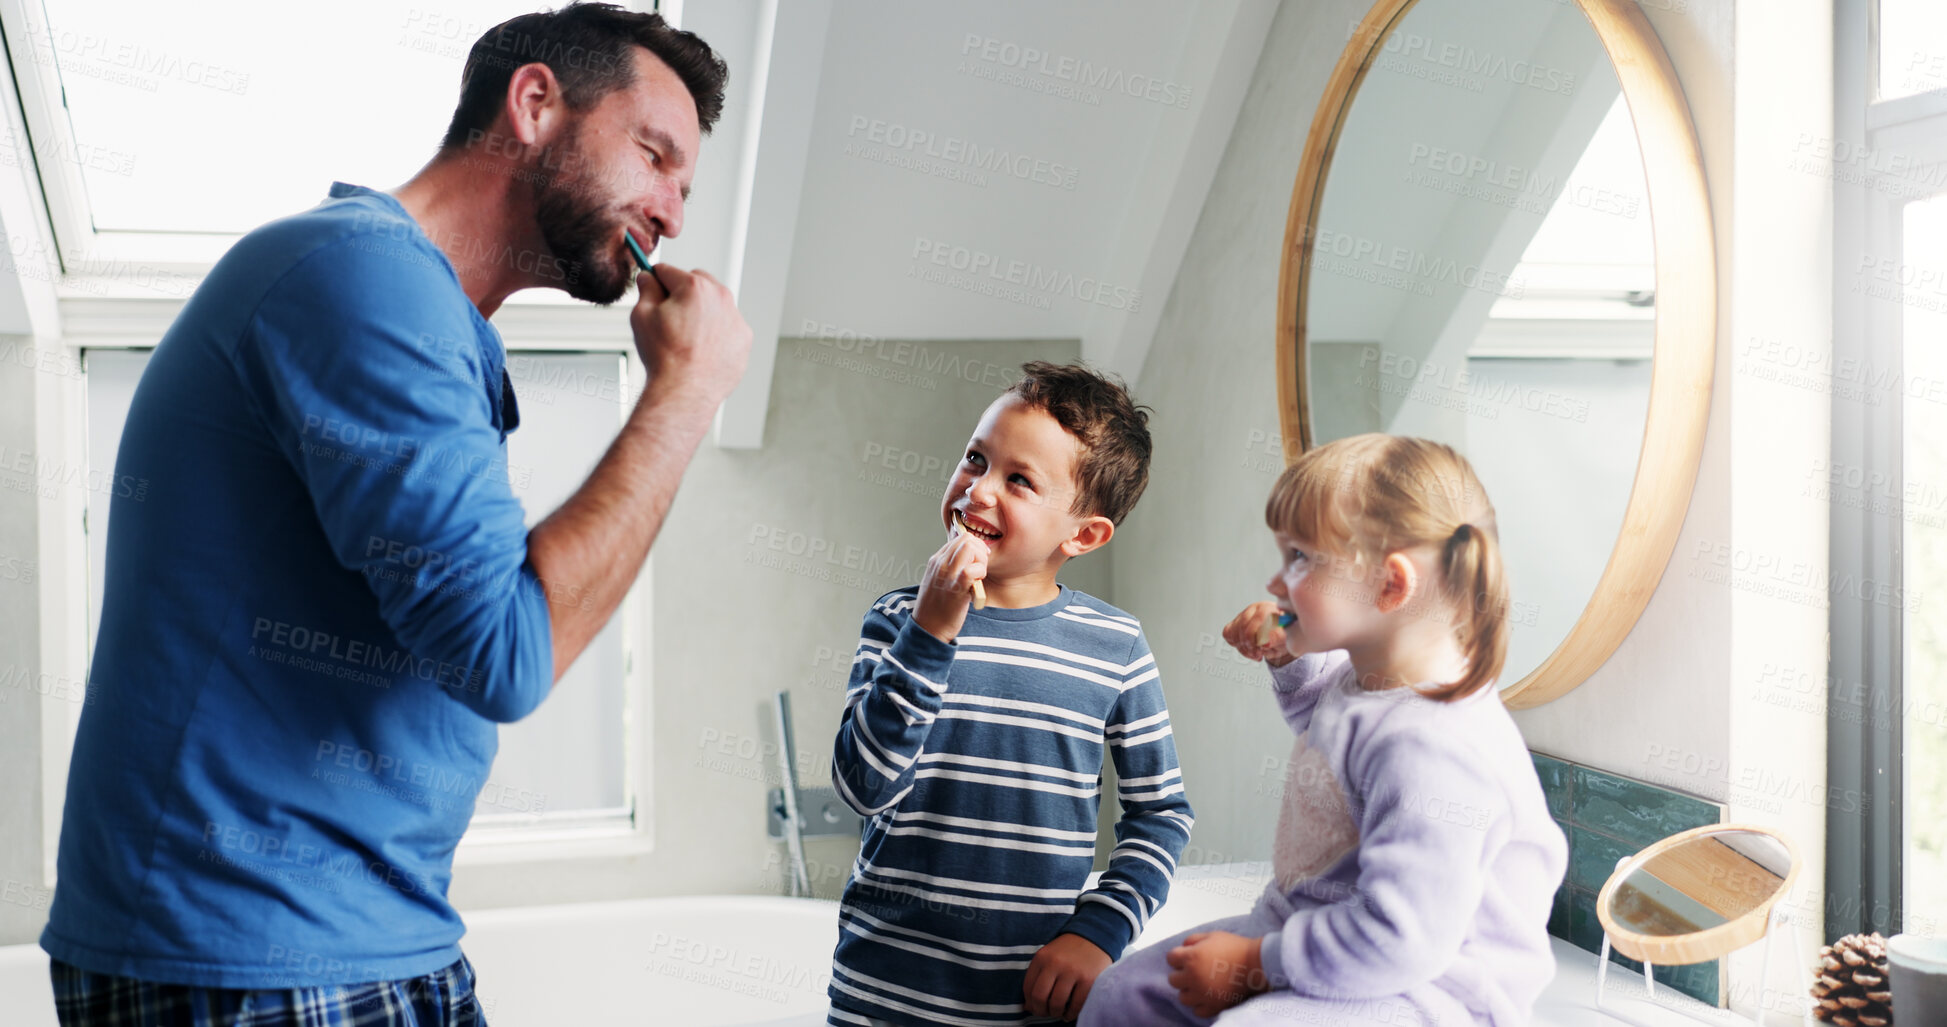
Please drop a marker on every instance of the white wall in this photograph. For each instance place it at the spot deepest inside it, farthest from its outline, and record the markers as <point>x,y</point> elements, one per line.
<point>20,806</point>
<point>1680,701</point>
<point>1781,289</point>
<point>39,675</point>
<point>1653,691</point>
<point>732,620</point>
<point>760,579</point>
<point>1215,355</point>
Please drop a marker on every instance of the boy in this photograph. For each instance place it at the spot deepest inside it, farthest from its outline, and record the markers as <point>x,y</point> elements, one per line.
<point>973,739</point>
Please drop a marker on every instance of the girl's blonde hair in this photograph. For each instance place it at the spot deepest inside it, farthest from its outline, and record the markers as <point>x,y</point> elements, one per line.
<point>1370,495</point>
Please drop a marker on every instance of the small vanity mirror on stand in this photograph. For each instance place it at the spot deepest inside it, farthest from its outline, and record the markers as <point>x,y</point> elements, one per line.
<point>1694,897</point>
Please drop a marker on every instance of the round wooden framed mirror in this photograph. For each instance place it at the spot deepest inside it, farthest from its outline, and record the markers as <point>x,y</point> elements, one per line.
<point>1470,257</point>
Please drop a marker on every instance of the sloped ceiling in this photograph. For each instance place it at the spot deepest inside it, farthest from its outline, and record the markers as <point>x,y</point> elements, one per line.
<point>962,171</point>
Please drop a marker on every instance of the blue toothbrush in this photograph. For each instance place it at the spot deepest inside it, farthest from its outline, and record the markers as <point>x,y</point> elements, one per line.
<point>641,258</point>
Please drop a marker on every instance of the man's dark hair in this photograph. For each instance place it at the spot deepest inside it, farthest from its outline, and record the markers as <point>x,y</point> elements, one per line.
<point>1114,432</point>
<point>590,49</point>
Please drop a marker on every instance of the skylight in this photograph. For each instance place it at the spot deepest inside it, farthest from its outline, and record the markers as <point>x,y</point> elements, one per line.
<point>1598,231</point>
<point>219,117</point>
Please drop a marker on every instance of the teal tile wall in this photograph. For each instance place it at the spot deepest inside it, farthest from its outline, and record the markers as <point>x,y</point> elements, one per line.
<point>1606,818</point>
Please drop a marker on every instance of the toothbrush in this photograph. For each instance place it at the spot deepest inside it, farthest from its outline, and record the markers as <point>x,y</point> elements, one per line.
<point>979,590</point>
<point>641,258</point>
<point>1283,620</point>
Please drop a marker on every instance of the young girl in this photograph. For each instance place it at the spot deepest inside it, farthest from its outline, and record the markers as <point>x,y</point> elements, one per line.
<point>1415,861</point>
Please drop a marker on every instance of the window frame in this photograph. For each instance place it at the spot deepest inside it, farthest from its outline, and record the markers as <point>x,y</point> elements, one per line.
<point>93,264</point>
<point>122,290</point>
<point>118,264</point>
<point>627,826</point>
<point>1865,850</point>
<point>570,837</point>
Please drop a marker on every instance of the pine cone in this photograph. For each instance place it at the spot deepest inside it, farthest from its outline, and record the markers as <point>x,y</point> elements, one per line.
<point>1852,988</point>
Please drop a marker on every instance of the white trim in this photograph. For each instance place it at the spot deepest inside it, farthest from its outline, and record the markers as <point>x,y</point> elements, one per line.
<point>551,327</point>
<point>570,841</point>
<point>1894,150</point>
<point>770,187</point>
<point>564,837</point>
<point>139,265</point>
<point>1582,279</point>
<point>31,317</point>
<point>97,323</point>
<point>62,552</point>
<point>753,131</point>
<point>1611,338</point>
<point>1884,114</point>
<point>40,95</point>
<point>1225,41</point>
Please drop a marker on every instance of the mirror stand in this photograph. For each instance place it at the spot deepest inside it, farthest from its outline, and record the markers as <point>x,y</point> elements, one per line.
<point>1777,921</point>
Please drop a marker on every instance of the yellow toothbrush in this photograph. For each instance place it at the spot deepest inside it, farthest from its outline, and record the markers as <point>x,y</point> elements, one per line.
<point>979,591</point>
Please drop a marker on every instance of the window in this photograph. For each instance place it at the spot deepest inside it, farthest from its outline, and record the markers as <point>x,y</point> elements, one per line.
<point>1912,47</point>
<point>1886,698</point>
<point>569,764</point>
<point>568,759</point>
<point>1923,335</point>
<point>132,115</point>
<point>1577,335</point>
<point>134,110</point>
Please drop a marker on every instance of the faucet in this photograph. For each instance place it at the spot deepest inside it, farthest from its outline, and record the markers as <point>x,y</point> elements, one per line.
<point>787,803</point>
<point>795,812</point>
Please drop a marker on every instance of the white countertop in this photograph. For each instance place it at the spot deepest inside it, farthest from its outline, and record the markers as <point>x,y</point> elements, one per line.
<point>1570,998</point>
<point>1204,893</point>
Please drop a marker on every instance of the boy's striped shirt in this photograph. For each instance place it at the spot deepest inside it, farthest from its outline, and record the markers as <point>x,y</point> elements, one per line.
<point>978,768</point>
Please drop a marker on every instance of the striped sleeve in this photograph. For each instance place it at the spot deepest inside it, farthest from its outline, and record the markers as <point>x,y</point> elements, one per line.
<point>897,687</point>
<point>1156,817</point>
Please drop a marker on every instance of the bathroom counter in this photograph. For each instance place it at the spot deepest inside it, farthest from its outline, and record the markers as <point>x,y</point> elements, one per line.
<point>1569,1000</point>
<point>1208,892</point>
<point>758,960</point>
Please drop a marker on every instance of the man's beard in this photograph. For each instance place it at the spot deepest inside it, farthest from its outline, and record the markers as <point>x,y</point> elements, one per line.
<point>578,227</point>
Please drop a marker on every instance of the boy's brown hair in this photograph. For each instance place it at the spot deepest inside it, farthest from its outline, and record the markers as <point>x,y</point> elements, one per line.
<point>1113,468</point>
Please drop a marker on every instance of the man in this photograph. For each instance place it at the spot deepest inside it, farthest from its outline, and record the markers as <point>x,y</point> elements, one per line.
<point>329,593</point>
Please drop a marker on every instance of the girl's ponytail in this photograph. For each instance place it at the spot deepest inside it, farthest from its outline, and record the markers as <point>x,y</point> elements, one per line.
<point>1477,586</point>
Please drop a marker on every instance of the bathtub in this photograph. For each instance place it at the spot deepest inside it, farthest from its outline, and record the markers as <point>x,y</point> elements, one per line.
<point>713,961</point>
<point>763,961</point>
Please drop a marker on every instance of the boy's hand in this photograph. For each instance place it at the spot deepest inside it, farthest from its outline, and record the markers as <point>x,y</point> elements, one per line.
<point>947,589</point>
<point>1242,634</point>
<point>1216,970</point>
<point>1061,974</point>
